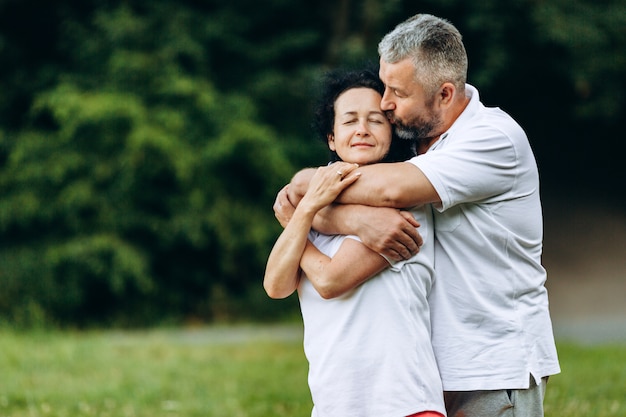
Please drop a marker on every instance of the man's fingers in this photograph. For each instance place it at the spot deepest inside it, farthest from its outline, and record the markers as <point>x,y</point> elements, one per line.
<point>409,217</point>
<point>392,255</point>
<point>405,242</point>
<point>400,247</point>
<point>283,209</point>
<point>411,241</point>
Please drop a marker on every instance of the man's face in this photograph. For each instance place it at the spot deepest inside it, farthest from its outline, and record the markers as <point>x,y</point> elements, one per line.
<point>413,114</point>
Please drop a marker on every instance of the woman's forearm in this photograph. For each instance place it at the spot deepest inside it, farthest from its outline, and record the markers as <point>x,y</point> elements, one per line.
<point>352,265</point>
<point>282,272</point>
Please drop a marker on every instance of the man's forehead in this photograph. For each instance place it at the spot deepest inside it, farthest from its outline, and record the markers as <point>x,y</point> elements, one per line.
<point>397,74</point>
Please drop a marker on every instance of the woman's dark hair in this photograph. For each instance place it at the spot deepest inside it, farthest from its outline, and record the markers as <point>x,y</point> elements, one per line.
<point>333,85</point>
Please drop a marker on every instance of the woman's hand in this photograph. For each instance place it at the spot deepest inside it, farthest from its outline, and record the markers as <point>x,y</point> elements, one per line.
<point>327,183</point>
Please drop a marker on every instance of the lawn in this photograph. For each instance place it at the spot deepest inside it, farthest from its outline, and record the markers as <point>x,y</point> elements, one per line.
<point>243,371</point>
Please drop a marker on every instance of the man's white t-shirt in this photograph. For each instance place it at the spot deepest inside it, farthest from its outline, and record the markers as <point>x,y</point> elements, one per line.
<point>369,351</point>
<point>489,306</point>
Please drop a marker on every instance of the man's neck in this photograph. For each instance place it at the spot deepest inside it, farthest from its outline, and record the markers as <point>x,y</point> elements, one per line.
<point>424,145</point>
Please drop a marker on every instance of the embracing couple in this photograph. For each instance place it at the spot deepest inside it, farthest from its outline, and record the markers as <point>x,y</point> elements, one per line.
<point>416,253</point>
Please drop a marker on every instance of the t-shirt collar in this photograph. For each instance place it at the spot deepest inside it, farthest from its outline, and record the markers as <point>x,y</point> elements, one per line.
<point>468,113</point>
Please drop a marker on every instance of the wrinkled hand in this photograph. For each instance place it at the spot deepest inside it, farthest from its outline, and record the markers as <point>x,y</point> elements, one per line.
<point>324,187</point>
<point>327,183</point>
<point>391,232</point>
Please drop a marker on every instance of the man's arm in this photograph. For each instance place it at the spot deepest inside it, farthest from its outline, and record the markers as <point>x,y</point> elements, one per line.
<point>384,230</point>
<point>398,185</point>
<point>388,231</point>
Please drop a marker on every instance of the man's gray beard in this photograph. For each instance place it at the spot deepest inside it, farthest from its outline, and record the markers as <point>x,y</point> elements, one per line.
<point>404,133</point>
<point>414,133</point>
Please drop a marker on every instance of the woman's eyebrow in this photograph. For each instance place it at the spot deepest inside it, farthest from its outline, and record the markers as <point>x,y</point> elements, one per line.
<point>354,113</point>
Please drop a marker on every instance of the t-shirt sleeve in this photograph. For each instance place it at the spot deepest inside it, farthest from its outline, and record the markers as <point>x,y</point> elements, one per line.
<point>393,265</point>
<point>477,168</point>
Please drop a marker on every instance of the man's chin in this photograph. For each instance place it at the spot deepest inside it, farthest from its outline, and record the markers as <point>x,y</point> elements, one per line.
<point>405,134</point>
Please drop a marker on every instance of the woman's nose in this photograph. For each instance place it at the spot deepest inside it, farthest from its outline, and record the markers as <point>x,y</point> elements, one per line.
<point>362,129</point>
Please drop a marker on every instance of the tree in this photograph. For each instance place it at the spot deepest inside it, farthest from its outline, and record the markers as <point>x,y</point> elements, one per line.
<point>142,142</point>
<point>134,189</point>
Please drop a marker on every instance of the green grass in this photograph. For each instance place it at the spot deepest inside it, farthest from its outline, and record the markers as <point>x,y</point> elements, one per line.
<point>592,382</point>
<point>151,374</point>
<point>255,371</point>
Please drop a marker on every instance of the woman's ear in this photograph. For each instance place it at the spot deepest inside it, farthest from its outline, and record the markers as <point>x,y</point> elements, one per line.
<point>331,142</point>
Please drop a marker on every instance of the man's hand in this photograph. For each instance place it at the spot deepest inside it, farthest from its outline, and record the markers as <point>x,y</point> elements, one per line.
<point>283,208</point>
<point>390,232</point>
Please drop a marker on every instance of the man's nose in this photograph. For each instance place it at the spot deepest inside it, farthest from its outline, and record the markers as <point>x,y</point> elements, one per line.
<point>386,103</point>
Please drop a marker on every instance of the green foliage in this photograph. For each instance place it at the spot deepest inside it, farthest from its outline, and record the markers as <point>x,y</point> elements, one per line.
<point>591,34</point>
<point>142,143</point>
<point>137,189</point>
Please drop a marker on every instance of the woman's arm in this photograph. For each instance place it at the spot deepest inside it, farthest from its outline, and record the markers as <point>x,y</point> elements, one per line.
<point>282,270</point>
<point>352,265</point>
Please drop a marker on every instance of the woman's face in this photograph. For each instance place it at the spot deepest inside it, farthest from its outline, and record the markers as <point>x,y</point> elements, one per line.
<point>361,133</point>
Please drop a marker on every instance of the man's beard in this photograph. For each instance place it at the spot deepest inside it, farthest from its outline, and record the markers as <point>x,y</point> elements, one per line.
<point>418,129</point>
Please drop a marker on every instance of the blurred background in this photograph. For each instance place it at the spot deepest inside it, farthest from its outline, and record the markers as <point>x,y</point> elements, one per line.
<point>142,144</point>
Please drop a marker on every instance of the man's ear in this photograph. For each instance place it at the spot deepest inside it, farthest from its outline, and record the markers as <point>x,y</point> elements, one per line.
<point>331,142</point>
<point>446,94</point>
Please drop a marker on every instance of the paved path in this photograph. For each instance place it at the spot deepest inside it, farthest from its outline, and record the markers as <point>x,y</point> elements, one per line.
<point>585,256</point>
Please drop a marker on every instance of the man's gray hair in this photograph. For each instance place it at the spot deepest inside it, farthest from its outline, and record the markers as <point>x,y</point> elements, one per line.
<point>434,46</point>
